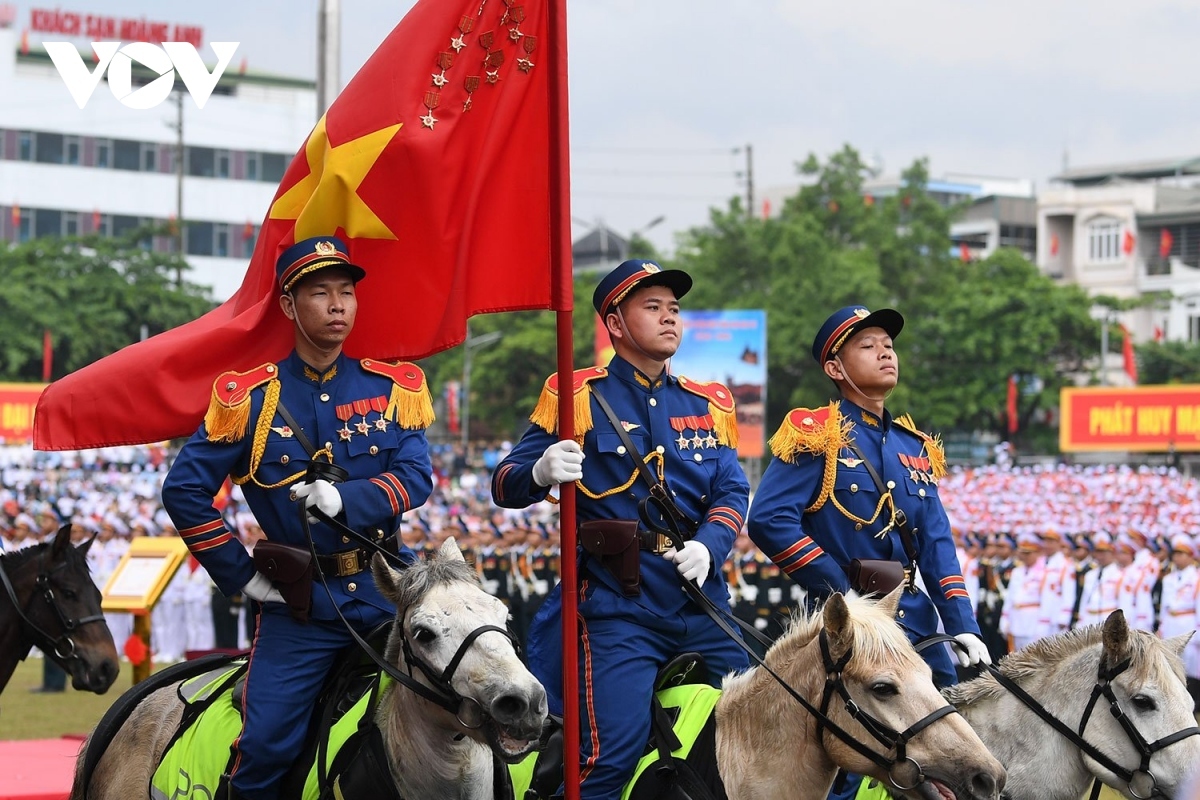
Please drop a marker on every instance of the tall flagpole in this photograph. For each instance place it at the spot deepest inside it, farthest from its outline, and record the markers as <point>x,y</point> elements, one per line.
<point>563,299</point>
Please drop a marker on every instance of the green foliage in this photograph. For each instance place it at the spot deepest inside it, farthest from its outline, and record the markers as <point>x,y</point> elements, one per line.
<point>1168,362</point>
<point>93,294</point>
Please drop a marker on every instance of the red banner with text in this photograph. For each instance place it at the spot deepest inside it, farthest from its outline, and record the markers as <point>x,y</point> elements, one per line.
<point>17,401</point>
<point>1145,419</point>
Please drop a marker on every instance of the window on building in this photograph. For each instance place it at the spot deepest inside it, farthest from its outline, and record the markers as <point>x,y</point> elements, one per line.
<point>70,223</point>
<point>221,247</point>
<point>25,226</point>
<point>1104,241</point>
<point>127,154</point>
<point>103,153</point>
<point>48,148</point>
<point>199,238</point>
<point>25,146</point>
<point>149,157</point>
<point>252,166</point>
<point>223,163</point>
<point>201,161</point>
<point>273,165</point>
<point>73,150</point>
<point>47,222</point>
<point>123,224</point>
<point>1193,329</point>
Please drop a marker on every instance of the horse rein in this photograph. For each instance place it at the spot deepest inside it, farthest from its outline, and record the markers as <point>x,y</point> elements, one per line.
<point>1103,688</point>
<point>63,645</point>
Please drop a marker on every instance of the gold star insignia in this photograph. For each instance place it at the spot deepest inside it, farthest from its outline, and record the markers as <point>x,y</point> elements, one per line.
<point>524,64</point>
<point>457,43</point>
<point>429,120</point>
<point>440,79</point>
<point>492,75</point>
<point>327,198</point>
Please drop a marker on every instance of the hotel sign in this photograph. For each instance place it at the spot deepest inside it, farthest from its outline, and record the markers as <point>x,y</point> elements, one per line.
<point>1146,419</point>
<point>97,27</point>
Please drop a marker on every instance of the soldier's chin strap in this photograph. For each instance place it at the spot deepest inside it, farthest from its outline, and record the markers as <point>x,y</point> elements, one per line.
<point>854,386</point>
<point>634,342</point>
<point>304,333</point>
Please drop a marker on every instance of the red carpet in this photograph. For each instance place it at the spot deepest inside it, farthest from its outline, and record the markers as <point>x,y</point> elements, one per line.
<point>37,769</point>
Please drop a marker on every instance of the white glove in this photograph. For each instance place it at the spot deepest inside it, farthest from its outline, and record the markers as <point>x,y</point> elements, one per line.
<point>693,561</point>
<point>261,589</point>
<point>974,650</point>
<point>320,493</point>
<point>561,463</point>
<point>749,593</point>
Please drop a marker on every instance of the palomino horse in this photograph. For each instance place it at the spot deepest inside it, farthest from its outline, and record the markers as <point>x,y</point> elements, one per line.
<point>451,637</point>
<point>861,674</point>
<point>50,601</point>
<point>1095,680</point>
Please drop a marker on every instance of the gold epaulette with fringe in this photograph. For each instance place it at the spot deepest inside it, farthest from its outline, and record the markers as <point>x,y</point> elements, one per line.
<point>933,445</point>
<point>545,413</point>
<point>816,431</point>
<point>410,405</point>
<point>228,415</point>
<point>720,406</point>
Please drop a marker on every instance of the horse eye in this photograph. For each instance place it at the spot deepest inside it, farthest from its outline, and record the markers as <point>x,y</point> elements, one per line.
<point>1143,703</point>
<point>424,635</point>
<point>70,594</point>
<point>884,689</point>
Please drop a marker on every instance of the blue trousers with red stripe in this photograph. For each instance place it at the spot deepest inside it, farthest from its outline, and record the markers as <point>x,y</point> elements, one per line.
<point>621,648</point>
<point>288,664</point>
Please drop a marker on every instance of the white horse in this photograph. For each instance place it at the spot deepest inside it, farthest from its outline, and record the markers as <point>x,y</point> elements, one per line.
<point>431,752</point>
<point>1059,673</point>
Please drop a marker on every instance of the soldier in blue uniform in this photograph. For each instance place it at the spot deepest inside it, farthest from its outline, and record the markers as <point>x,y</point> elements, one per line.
<point>368,417</point>
<point>818,508</point>
<point>686,433</point>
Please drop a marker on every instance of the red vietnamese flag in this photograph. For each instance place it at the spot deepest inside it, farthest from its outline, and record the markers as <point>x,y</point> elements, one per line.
<point>1165,242</point>
<point>1127,356</point>
<point>1011,408</point>
<point>434,164</point>
<point>1053,244</point>
<point>1127,243</point>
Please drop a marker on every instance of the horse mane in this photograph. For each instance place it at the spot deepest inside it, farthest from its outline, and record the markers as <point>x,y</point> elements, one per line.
<point>1053,651</point>
<point>878,640</point>
<point>15,558</point>
<point>420,577</point>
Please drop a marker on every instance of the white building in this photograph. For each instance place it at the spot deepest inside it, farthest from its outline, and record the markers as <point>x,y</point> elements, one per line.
<point>110,168</point>
<point>1128,230</point>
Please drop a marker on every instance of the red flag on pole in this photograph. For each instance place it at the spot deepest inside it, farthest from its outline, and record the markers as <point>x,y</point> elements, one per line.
<point>47,356</point>
<point>1053,244</point>
<point>440,187</point>
<point>1011,408</point>
<point>1165,242</point>
<point>1127,355</point>
<point>1158,333</point>
<point>964,251</point>
<point>1128,242</point>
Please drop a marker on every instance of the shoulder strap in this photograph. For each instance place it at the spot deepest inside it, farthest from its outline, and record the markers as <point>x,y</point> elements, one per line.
<point>301,437</point>
<point>906,534</point>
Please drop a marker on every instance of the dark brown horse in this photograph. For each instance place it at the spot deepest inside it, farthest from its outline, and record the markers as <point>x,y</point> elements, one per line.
<point>49,600</point>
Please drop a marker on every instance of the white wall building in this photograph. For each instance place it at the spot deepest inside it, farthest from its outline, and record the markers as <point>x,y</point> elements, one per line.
<point>110,168</point>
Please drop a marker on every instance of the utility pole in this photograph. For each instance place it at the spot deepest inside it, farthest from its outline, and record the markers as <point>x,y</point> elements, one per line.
<point>750,181</point>
<point>329,17</point>
<point>178,233</point>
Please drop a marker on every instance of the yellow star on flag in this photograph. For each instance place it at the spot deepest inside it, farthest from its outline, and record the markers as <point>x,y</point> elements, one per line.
<point>327,197</point>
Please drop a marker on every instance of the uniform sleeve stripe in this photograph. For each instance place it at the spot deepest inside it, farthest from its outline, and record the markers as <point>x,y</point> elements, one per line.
<point>391,494</point>
<point>731,513</point>
<point>949,579</point>
<point>200,547</point>
<point>953,593</point>
<point>726,523</point>
<point>400,490</point>
<point>498,480</point>
<point>812,554</point>
<point>784,555</point>
<point>200,530</point>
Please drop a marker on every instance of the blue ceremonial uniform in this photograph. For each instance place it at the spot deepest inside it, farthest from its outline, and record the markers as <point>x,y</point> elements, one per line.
<point>367,417</point>
<point>624,640</point>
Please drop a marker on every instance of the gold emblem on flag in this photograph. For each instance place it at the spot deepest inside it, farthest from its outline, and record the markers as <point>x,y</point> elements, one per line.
<point>326,249</point>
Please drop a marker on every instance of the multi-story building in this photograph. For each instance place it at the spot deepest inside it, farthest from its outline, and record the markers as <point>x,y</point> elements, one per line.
<point>109,168</point>
<point>1129,231</point>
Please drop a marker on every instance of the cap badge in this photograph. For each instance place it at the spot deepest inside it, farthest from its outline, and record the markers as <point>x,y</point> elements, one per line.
<point>861,313</point>
<point>326,249</point>
<point>650,268</point>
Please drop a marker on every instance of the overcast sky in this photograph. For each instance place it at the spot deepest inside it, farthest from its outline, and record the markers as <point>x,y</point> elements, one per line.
<point>663,91</point>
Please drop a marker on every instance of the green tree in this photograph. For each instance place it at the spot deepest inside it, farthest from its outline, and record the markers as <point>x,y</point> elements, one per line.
<point>93,294</point>
<point>1168,362</point>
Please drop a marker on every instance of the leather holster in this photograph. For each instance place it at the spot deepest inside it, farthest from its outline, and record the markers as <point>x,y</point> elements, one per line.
<point>616,543</point>
<point>291,570</point>
<point>875,576</point>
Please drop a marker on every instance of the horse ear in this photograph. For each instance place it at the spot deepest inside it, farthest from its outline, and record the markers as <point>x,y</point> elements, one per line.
<point>386,578</point>
<point>836,618</point>
<point>1115,637</point>
<point>890,603</point>
<point>1177,644</point>
<point>62,540</point>
<point>449,550</point>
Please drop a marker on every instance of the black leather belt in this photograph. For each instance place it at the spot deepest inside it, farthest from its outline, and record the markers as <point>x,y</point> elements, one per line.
<point>651,542</point>
<point>345,563</point>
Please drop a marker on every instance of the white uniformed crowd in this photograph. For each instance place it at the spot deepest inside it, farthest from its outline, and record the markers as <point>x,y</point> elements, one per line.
<point>1043,549</point>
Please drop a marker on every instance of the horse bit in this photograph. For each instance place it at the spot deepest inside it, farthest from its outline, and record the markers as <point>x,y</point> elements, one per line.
<point>63,645</point>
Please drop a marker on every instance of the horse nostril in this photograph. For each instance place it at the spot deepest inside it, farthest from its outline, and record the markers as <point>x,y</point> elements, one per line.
<point>983,784</point>
<point>509,707</point>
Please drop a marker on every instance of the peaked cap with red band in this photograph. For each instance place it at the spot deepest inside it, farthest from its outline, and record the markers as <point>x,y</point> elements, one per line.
<point>616,285</point>
<point>309,255</point>
<point>845,322</point>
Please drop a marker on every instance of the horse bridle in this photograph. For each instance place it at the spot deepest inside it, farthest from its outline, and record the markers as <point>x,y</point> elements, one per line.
<point>63,645</point>
<point>1103,688</point>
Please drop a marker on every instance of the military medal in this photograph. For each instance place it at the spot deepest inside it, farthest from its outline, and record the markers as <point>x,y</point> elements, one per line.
<point>470,84</point>
<point>528,43</point>
<point>693,422</point>
<point>516,15</point>
<point>431,102</point>
<point>380,405</point>
<point>710,441</point>
<point>362,407</point>
<point>445,60</point>
<point>344,413</point>
<point>679,423</point>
